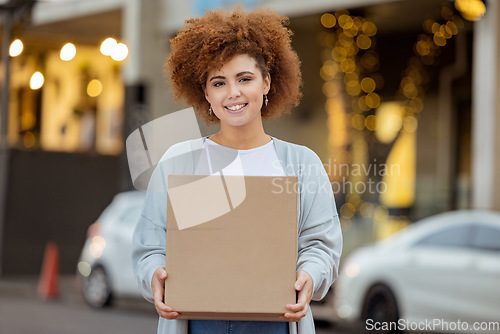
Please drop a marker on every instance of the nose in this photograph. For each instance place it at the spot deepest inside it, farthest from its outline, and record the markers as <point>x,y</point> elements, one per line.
<point>234,91</point>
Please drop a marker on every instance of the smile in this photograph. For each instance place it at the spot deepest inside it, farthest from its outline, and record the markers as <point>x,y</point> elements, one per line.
<point>237,107</point>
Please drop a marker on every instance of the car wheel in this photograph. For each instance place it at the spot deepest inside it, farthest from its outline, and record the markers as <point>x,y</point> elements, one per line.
<point>380,306</point>
<point>96,290</point>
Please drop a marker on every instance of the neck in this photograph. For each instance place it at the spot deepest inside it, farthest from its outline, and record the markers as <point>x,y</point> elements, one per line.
<point>241,138</point>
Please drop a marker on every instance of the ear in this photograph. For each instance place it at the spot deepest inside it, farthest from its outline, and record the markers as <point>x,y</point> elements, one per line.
<point>267,83</point>
<point>205,92</point>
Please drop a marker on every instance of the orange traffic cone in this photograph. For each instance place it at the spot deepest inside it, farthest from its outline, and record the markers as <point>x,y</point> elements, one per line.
<point>48,285</point>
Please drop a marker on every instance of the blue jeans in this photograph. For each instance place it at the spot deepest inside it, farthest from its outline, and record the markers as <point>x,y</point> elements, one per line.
<point>237,327</point>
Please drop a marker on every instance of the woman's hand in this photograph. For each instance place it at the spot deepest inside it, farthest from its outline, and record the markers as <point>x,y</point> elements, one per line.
<point>304,285</point>
<point>158,289</point>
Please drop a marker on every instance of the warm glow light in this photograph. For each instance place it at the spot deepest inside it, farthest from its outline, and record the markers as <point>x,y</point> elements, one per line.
<point>68,52</point>
<point>400,183</point>
<point>353,88</point>
<point>347,210</point>
<point>29,139</point>
<point>362,103</point>
<point>327,72</point>
<point>372,100</point>
<point>423,48</point>
<point>16,48</point>
<point>371,122</point>
<point>445,31</point>
<point>453,27</point>
<point>330,89</point>
<point>108,46</point>
<point>120,52</point>
<point>447,13</point>
<point>348,66</point>
<point>369,28</point>
<point>390,121</point>
<point>472,10</point>
<point>328,20</point>
<point>367,209</point>
<point>410,124</point>
<point>94,88</point>
<point>345,22</point>
<point>36,81</point>
<point>358,122</point>
<point>368,85</point>
<point>439,39</point>
<point>363,42</point>
<point>370,60</point>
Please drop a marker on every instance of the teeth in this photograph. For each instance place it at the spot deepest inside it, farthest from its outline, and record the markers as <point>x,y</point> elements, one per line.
<point>236,107</point>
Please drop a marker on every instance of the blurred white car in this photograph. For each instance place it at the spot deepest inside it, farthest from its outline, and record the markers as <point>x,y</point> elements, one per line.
<point>442,269</point>
<point>105,264</point>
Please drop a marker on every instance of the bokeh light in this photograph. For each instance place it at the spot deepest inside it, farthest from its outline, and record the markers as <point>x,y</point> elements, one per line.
<point>368,85</point>
<point>347,210</point>
<point>472,10</point>
<point>94,88</point>
<point>16,47</point>
<point>120,52</point>
<point>363,42</point>
<point>68,52</point>
<point>371,122</point>
<point>369,28</point>
<point>330,89</point>
<point>36,81</point>
<point>107,46</point>
<point>328,20</point>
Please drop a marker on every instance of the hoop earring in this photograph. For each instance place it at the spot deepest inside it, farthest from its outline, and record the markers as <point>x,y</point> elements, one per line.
<point>266,100</point>
<point>210,111</point>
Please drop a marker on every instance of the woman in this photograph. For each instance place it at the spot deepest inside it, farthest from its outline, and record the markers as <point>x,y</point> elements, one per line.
<point>237,69</point>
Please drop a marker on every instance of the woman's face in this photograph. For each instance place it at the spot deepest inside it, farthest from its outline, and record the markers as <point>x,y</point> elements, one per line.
<point>235,91</point>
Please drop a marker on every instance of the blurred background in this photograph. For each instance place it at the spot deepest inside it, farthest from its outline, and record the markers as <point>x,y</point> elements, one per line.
<point>401,103</point>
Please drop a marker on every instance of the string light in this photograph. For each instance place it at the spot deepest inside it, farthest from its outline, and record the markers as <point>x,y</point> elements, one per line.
<point>68,52</point>
<point>36,81</point>
<point>117,51</point>
<point>16,48</point>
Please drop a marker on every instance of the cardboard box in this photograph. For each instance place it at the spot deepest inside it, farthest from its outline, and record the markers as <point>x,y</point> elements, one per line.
<point>231,247</point>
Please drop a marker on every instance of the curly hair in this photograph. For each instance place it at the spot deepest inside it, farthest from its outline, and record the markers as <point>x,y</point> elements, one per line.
<point>206,43</point>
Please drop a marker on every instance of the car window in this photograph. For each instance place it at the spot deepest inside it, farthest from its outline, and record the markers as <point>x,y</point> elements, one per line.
<point>131,215</point>
<point>487,238</point>
<point>456,236</point>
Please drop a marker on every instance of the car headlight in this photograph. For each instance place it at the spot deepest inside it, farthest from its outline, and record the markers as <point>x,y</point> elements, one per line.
<point>84,268</point>
<point>344,311</point>
<point>352,270</point>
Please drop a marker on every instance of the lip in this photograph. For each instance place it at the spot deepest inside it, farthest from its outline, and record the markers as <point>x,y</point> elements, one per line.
<point>235,111</point>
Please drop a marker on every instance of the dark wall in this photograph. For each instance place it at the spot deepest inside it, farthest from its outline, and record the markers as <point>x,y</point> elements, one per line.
<point>53,197</point>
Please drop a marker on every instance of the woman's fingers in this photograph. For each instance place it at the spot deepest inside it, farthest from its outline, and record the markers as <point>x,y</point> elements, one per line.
<point>158,289</point>
<point>304,286</point>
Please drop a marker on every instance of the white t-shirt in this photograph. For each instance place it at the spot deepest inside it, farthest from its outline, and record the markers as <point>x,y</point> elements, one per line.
<point>258,161</point>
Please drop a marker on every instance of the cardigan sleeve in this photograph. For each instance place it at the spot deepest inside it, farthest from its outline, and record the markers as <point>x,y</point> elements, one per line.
<point>320,236</point>
<point>148,245</point>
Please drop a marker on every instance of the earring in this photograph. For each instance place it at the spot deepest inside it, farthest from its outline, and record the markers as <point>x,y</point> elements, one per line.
<point>210,111</point>
<point>265,100</point>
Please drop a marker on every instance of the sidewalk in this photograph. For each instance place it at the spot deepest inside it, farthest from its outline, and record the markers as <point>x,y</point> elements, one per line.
<point>23,311</point>
<point>26,287</point>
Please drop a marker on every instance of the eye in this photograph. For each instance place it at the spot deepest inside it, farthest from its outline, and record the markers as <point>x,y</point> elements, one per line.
<point>218,84</point>
<point>244,79</point>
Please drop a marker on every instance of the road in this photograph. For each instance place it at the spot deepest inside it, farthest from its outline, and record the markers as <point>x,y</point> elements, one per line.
<point>23,312</point>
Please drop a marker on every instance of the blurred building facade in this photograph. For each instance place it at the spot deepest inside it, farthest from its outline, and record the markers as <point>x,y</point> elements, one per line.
<point>400,102</point>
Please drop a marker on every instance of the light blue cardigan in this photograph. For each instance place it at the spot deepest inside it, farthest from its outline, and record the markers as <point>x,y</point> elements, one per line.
<point>320,237</point>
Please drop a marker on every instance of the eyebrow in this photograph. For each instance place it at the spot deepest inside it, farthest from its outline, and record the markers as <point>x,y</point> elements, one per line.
<point>237,75</point>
